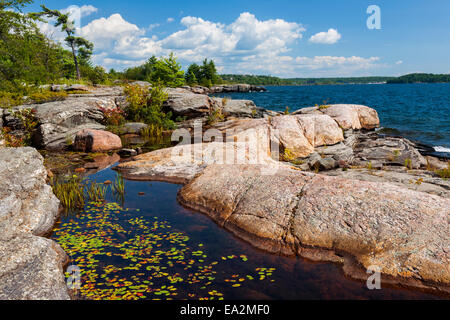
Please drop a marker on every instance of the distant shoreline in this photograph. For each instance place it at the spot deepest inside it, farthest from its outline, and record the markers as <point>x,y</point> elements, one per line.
<point>275,81</point>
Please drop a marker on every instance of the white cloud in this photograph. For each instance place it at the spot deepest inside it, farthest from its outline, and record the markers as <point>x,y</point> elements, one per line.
<point>246,45</point>
<point>252,33</point>
<point>83,11</point>
<point>330,37</point>
<point>153,26</point>
<point>399,62</point>
<point>288,66</point>
<point>245,36</point>
<point>106,33</point>
<point>170,20</point>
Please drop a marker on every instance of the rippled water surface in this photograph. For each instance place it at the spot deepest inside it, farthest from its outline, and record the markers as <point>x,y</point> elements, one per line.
<point>150,247</point>
<point>417,111</point>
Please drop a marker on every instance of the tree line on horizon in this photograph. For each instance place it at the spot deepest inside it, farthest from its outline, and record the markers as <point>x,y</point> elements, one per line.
<point>170,72</point>
<point>421,78</point>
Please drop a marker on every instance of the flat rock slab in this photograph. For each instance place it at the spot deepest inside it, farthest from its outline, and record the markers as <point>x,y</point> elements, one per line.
<point>403,232</point>
<point>31,267</point>
<point>182,163</point>
<point>418,180</point>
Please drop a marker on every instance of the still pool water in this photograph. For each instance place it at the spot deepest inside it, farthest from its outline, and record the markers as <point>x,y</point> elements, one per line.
<point>150,247</point>
<point>420,112</point>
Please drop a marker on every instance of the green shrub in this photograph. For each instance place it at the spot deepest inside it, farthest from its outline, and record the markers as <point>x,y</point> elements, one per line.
<point>10,99</point>
<point>95,75</point>
<point>215,116</point>
<point>113,117</point>
<point>288,155</point>
<point>145,105</point>
<point>444,173</point>
<point>324,106</point>
<point>29,122</point>
<point>40,97</point>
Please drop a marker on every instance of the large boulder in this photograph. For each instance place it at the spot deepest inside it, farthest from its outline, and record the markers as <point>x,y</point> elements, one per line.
<point>403,232</point>
<point>238,108</point>
<point>88,140</point>
<point>184,103</point>
<point>60,121</point>
<point>345,115</point>
<point>195,103</point>
<point>320,130</point>
<point>31,267</point>
<point>300,134</point>
<point>288,133</point>
<point>348,116</point>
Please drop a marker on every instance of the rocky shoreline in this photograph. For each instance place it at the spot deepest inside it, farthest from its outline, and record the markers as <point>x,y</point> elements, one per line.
<point>319,183</point>
<point>31,266</point>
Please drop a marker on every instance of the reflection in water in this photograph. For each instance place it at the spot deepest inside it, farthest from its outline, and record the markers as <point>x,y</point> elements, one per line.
<point>152,248</point>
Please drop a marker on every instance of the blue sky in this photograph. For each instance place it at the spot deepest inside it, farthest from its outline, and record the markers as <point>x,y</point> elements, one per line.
<point>322,38</point>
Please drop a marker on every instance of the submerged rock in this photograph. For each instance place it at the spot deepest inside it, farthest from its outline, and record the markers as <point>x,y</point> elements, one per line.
<point>405,233</point>
<point>31,267</point>
<point>101,162</point>
<point>127,153</point>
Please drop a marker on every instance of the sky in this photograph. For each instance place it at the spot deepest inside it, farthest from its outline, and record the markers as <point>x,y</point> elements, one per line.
<point>301,38</point>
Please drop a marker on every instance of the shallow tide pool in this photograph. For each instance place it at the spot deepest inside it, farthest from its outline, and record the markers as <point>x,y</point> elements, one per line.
<point>150,247</point>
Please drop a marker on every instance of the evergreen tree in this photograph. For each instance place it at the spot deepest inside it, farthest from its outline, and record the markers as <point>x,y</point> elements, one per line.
<point>81,48</point>
<point>168,71</point>
<point>206,74</point>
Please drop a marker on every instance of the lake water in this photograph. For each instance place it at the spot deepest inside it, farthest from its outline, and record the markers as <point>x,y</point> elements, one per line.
<point>150,247</point>
<point>420,112</point>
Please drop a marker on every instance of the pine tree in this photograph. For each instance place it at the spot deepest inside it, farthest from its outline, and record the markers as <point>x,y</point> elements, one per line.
<point>81,48</point>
